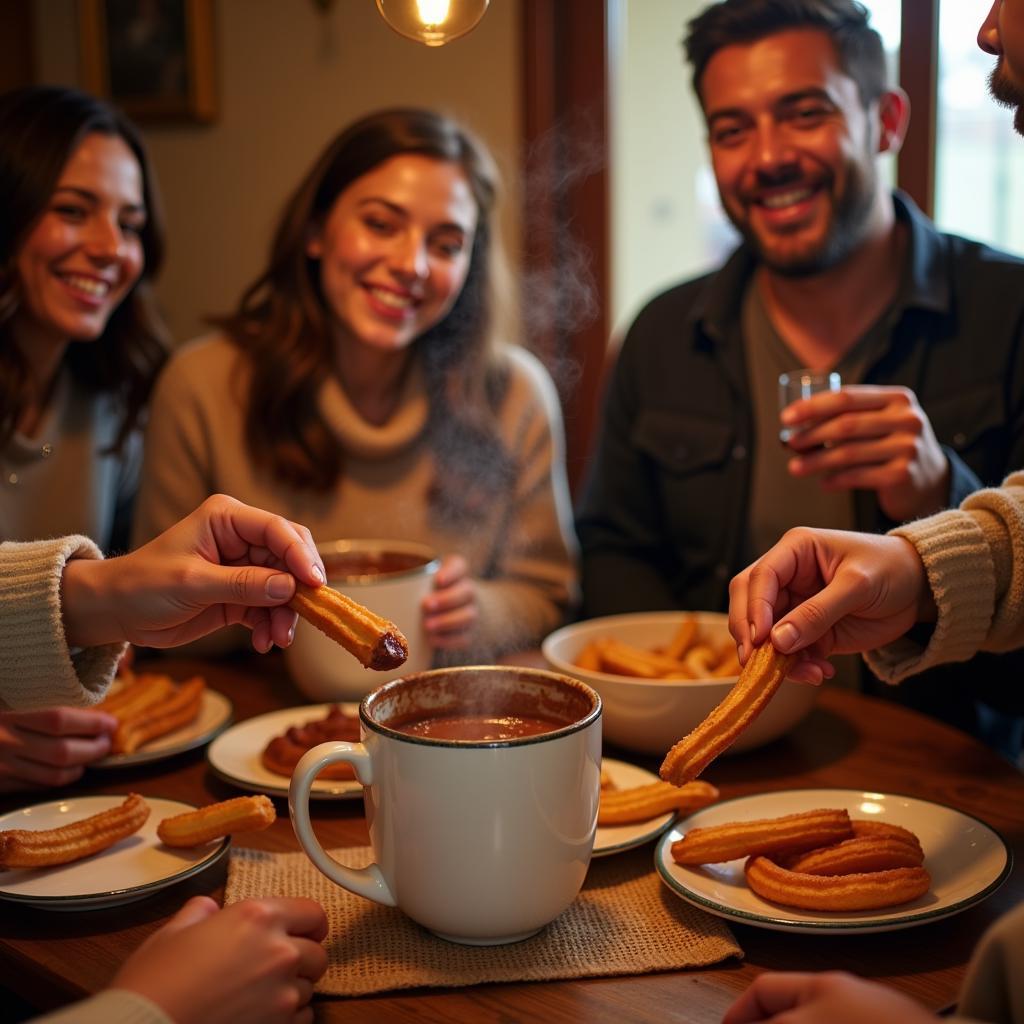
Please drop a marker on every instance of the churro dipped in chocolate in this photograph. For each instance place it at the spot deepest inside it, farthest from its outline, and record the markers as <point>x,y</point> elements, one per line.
<point>25,848</point>
<point>376,642</point>
<point>761,677</point>
<point>242,814</point>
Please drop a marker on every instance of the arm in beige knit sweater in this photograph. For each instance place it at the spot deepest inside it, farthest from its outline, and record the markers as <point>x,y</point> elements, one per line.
<point>843,592</point>
<point>224,563</point>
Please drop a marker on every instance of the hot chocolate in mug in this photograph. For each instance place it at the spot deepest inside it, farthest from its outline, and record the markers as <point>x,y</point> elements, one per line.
<point>481,787</point>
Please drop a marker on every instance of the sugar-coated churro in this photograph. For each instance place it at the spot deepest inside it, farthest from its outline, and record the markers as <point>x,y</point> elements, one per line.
<point>862,891</point>
<point>25,848</point>
<point>142,691</point>
<point>376,642</point>
<point>851,856</point>
<point>885,830</point>
<point>761,677</point>
<point>641,803</point>
<point>792,832</point>
<point>180,708</point>
<point>242,814</point>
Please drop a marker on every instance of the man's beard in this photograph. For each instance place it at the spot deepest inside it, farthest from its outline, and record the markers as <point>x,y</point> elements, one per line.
<point>845,233</point>
<point>1007,94</point>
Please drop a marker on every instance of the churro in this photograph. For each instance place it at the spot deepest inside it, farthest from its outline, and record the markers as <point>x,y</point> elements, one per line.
<point>761,677</point>
<point>138,693</point>
<point>885,830</point>
<point>25,848</point>
<point>282,753</point>
<point>641,803</point>
<point>377,643</point>
<point>862,891</point>
<point>242,814</point>
<point>177,710</point>
<point>790,833</point>
<point>694,652</point>
<point>852,856</point>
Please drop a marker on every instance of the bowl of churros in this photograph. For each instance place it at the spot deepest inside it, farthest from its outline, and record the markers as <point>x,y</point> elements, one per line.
<point>659,674</point>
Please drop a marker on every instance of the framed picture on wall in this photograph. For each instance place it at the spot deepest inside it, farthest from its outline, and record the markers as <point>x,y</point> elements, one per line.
<point>153,58</point>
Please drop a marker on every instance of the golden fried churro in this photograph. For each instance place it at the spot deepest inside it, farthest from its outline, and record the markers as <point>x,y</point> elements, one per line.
<point>641,803</point>
<point>851,856</point>
<point>180,708</point>
<point>376,642</point>
<point>242,814</point>
<point>607,782</point>
<point>684,636</point>
<point>24,848</point>
<point>761,677</point>
<point>138,693</point>
<point>790,833</point>
<point>869,890</point>
<point>885,830</point>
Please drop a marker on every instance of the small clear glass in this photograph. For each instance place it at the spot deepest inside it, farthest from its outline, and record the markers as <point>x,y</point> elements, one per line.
<point>799,384</point>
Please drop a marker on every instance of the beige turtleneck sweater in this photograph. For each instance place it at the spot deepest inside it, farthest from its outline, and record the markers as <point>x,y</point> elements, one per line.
<point>521,550</point>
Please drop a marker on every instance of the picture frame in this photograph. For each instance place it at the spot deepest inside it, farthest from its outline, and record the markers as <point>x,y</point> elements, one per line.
<point>154,59</point>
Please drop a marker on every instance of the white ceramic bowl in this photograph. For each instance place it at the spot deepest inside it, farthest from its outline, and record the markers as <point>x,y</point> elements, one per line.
<point>649,715</point>
<point>325,671</point>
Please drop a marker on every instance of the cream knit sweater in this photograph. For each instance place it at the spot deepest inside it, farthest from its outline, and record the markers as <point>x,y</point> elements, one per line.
<point>974,557</point>
<point>36,667</point>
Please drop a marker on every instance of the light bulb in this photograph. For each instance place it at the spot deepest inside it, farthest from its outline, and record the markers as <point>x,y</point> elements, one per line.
<point>432,22</point>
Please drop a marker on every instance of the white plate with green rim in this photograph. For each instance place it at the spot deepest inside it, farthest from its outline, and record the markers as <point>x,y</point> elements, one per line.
<point>966,858</point>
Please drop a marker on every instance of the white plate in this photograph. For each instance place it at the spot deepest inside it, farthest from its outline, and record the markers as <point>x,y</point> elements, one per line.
<point>235,754</point>
<point>214,715</point>
<point>968,861</point>
<point>616,838</point>
<point>132,868</point>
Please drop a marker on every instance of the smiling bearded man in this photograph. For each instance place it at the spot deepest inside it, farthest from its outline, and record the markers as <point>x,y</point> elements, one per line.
<point>836,272</point>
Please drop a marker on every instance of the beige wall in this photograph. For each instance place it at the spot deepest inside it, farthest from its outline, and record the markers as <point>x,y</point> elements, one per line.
<point>289,78</point>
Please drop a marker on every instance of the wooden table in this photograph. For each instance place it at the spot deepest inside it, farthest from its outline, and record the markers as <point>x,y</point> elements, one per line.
<point>50,959</point>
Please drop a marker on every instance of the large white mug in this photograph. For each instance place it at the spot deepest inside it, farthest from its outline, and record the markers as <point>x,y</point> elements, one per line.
<point>391,578</point>
<point>483,840</point>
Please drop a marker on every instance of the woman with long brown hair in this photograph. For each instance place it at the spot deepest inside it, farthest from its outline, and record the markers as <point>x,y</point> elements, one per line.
<point>81,240</point>
<point>81,342</point>
<point>359,387</point>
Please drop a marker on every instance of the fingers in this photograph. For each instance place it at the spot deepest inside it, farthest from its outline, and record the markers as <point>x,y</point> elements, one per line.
<point>450,615</point>
<point>768,995</point>
<point>197,909</point>
<point>237,529</point>
<point>301,917</point>
<point>452,569</point>
<point>62,721</point>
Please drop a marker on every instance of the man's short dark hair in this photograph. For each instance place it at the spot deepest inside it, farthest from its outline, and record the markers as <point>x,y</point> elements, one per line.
<point>860,49</point>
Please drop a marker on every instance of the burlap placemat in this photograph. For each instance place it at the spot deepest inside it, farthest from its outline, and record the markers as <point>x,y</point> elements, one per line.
<point>623,922</point>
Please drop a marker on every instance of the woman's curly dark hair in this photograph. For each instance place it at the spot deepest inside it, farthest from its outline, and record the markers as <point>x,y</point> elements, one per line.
<point>40,128</point>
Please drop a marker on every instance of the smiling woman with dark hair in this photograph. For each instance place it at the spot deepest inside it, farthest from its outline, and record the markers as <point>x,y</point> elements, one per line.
<point>81,240</point>
<point>360,387</point>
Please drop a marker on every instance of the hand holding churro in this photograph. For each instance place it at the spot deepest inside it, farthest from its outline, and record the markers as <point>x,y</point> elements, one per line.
<point>28,848</point>
<point>376,642</point>
<point>761,677</point>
